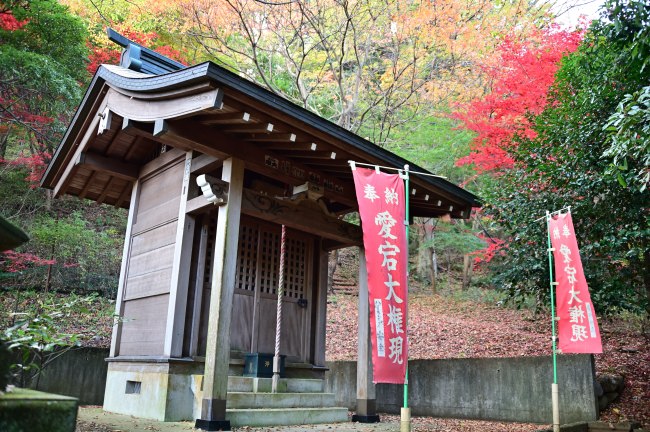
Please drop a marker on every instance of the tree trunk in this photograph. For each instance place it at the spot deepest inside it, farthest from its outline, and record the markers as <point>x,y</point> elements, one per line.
<point>48,278</point>
<point>4,139</point>
<point>426,258</point>
<point>332,263</point>
<point>467,271</point>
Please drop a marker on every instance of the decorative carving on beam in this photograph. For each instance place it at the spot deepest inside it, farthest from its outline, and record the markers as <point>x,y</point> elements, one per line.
<point>150,110</point>
<point>215,191</point>
<point>192,136</point>
<point>110,166</point>
<point>303,217</point>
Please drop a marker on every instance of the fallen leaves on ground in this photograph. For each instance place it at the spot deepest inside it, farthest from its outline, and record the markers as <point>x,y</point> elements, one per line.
<point>442,327</point>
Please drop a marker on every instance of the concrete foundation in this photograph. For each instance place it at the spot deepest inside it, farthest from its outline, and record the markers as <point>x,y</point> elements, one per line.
<point>158,391</point>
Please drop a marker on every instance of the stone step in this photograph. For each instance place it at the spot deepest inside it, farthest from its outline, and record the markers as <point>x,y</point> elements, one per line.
<point>285,416</point>
<point>285,385</point>
<point>240,400</point>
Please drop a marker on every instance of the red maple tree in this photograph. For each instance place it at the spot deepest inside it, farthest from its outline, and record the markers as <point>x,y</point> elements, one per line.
<point>521,74</point>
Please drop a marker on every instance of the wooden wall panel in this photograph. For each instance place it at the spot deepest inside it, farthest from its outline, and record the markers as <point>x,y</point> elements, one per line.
<point>143,328</point>
<point>266,327</point>
<point>150,261</point>
<point>293,317</point>
<point>241,327</point>
<point>161,187</point>
<point>153,239</point>
<point>152,283</point>
<point>159,198</point>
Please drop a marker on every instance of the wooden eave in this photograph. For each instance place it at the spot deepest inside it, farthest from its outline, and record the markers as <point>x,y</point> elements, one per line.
<point>210,110</point>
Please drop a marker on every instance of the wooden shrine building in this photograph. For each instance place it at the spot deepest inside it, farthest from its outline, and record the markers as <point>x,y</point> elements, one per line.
<point>197,289</point>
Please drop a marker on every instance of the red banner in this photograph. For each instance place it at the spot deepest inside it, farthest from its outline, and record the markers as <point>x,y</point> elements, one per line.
<point>382,210</point>
<point>577,326</point>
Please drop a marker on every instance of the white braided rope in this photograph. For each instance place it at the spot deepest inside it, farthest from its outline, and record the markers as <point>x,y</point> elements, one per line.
<point>278,321</point>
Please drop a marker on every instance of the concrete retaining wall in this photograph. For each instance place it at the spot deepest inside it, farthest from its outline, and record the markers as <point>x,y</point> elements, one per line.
<point>80,373</point>
<point>509,389</point>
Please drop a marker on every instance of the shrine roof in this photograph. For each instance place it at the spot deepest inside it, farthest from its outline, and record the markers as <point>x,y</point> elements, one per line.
<point>126,116</point>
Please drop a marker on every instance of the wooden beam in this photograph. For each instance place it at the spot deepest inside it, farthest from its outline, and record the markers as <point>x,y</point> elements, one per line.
<point>70,170</point>
<point>119,299</point>
<point>272,138</point>
<point>86,187</point>
<point>143,110</point>
<point>221,118</point>
<point>247,128</point>
<point>306,217</point>
<point>217,356</point>
<point>197,307</point>
<point>320,306</point>
<point>304,154</point>
<point>211,141</point>
<point>107,165</point>
<point>203,164</point>
<point>106,188</point>
<point>127,189</point>
<point>179,284</point>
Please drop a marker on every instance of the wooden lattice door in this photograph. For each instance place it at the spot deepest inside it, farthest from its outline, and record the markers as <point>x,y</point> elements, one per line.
<point>255,302</point>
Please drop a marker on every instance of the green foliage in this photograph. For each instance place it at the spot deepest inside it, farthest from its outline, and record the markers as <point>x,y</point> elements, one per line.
<point>42,61</point>
<point>454,237</point>
<point>37,337</point>
<point>629,135</point>
<point>435,143</point>
<point>51,32</point>
<point>564,165</point>
<point>84,240</point>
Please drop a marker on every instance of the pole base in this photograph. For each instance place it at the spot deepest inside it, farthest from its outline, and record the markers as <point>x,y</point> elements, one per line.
<point>405,420</point>
<point>212,425</point>
<point>365,418</point>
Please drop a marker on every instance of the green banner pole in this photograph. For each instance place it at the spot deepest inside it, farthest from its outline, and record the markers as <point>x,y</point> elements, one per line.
<point>406,411</point>
<point>552,284</point>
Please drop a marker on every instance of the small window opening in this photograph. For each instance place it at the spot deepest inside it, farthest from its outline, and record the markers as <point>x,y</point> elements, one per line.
<point>133,387</point>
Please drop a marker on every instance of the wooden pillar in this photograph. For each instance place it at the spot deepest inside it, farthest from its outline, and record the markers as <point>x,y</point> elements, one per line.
<point>366,394</point>
<point>321,308</point>
<point>197,307</point>
<point>217,359</point>
<point>126,252</point>
<point>180,271</point>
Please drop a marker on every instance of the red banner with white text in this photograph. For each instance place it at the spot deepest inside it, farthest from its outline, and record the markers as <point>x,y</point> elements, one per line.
<point>381,207</point>
<point>577,326</point>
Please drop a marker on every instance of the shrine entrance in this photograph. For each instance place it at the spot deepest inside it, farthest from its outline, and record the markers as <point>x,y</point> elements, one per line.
<point>256,283</point>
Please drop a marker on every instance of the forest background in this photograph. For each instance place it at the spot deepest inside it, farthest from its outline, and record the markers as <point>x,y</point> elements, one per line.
<point>492,94</point>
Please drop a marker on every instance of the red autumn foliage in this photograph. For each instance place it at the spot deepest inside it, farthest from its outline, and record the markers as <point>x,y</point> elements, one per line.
<point>9,22</point>
<point>494,246</point>
<point>12,262</point>
<point>521,75</point>
<point>36,164</point>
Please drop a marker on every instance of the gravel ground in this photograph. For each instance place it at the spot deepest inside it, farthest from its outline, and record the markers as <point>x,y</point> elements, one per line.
<point>93,419</point>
